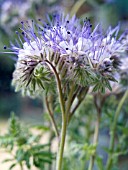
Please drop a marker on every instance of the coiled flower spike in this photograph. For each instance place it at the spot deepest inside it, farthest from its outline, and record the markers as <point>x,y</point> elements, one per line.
<point>79,53</point>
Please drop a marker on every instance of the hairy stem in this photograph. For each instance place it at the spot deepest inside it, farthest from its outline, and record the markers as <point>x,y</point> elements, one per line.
<point>113,131</point>
<point>64,129</point>
<point>58,81</point>
<point>64,118</point>
<point>95,140</point>
<point>62,143</point>
<point>52,117</point>
<point>98,104</point>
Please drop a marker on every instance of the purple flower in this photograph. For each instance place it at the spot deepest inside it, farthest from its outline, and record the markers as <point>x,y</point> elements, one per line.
<point>77,51</point>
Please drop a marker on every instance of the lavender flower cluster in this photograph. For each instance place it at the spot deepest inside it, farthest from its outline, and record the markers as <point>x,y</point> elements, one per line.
<point>78,53</point>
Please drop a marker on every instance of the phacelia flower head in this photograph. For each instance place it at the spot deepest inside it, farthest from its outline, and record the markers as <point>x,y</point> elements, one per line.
<point>69,47</point>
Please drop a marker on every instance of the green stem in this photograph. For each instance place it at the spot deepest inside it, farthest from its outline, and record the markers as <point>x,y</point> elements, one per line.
<point>64,118</point>
<point>64,129</point>
<point>52,117</point>
<point>84,92</point>
<point>95,139</point>
<point>113,131</point>
<point>21,166</point>
<point>69,102</point>
<point>58,81</point>
<point>62,143</point>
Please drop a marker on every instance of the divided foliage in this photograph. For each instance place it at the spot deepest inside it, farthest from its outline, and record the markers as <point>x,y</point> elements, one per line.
<point>24,147</point>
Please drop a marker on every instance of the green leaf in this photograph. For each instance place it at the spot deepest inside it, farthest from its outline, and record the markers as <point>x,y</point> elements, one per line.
<point>36,161</point>
<point>43,154</point>
<point>12,166</point>
<point>45,160</point>
<point>7,141</point>
<point>39,146</point>
<point>41,127</point>
<point>96,88</point>
<point>20,155</point>
<point>112,79</point>
<point>45,78</point>
<point>107,150</point>
<point>117,154</point>
<point>90,149</point>
<point>107,84</point>
<point>7,160</point>
<point>33,83</point>
<point>40,83</point>
<point>102,89</point>
<point>99,162</point>
<point>33,139</point>
<point>14,128</point>
<point>27,159</point>
<point>124,129</point>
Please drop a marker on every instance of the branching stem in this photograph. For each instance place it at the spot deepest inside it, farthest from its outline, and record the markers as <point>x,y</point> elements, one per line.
<point>52,117</point>
<point>113,131</point>
<point>98,103</point>
<point>62,143</point>
<point>84,92</point>
<point>64,118</point>
<point>61,100</point>
<point>69,101</point>
<point>64,129</point>
<point>95,141</point>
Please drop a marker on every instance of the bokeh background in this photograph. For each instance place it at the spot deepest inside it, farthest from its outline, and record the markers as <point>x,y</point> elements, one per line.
<point>12,12</point>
